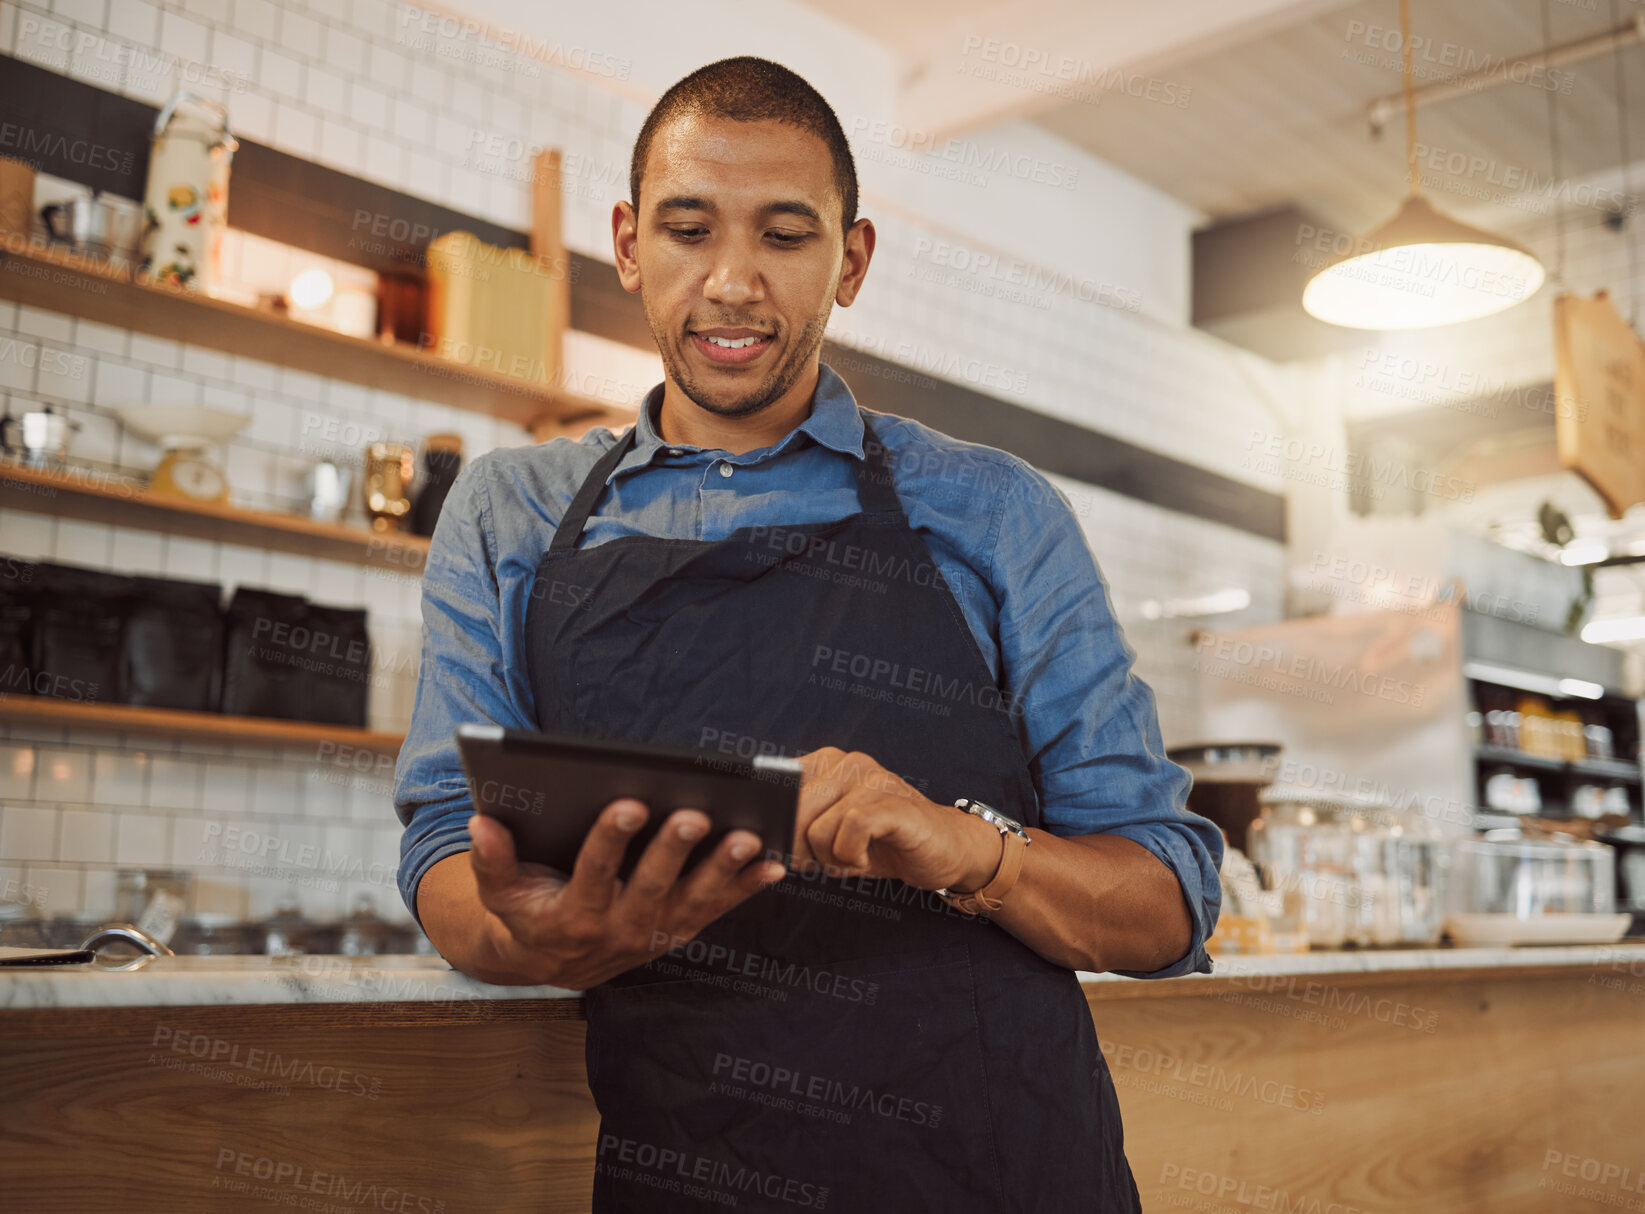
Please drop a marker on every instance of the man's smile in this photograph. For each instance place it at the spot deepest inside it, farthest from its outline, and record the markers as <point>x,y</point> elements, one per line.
<point>731,347</point>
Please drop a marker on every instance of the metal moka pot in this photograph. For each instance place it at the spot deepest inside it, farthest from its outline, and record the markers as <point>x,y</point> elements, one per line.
<point>39,437</point>
<point>100,225</point>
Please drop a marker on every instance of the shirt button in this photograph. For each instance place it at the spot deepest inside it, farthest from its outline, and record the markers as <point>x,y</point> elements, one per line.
<point>675,451</point>
<point>725,469</point>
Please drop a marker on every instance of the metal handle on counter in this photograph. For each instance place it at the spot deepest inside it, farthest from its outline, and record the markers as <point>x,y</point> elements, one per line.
<point>151,948</point>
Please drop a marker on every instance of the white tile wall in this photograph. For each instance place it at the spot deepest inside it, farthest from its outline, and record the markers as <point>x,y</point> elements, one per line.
<point>355,87</point>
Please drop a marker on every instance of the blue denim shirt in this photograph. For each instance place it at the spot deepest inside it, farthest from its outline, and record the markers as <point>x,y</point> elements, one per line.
<point>1003,536</point>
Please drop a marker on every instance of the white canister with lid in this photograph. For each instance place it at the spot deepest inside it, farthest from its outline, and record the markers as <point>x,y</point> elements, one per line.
<point>185,204</point>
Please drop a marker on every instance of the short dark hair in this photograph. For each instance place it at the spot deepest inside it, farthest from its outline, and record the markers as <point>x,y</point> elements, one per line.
<point>750,89</point>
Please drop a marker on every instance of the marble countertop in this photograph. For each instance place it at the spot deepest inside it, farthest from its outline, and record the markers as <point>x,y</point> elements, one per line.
<point>245,980</point>
<point>259,980</point>
<point>1630,954</point>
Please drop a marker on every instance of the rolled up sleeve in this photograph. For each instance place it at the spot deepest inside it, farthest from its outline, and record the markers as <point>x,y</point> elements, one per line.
<point>462,679</point>
<point>1092,726</point>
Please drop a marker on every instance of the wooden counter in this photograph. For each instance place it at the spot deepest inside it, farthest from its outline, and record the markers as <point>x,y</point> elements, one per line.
<point>1441,1081</point>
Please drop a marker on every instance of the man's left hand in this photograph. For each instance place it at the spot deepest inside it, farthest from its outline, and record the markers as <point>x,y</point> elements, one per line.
<point>858,819</point>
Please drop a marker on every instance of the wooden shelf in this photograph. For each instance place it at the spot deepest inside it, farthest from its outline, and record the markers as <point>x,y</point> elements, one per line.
<point>47,277</point>
<point>112,497</point>
<point>1599,769</point>
<point>193,726</point>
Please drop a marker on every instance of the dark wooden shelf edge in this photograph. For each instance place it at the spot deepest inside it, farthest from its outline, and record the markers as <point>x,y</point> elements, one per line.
<point>49,278</point>
<point>1598,769</point>
<point>202,726</point>
<point>124,502</point>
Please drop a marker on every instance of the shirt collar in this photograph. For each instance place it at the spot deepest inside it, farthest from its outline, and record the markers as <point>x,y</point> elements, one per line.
<point>834,422</point>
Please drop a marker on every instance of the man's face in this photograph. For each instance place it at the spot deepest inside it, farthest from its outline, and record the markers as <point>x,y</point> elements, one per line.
<point>737,255</point>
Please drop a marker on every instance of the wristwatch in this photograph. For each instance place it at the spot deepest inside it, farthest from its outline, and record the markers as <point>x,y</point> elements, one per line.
<point>1014,842</point>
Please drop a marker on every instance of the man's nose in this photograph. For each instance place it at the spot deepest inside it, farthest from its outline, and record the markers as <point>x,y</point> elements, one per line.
<point>735,279</point>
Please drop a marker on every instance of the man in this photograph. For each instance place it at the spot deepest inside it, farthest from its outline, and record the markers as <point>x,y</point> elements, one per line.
<point>758,566</point>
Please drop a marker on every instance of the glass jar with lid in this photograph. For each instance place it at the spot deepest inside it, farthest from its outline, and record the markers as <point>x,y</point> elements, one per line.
<point>288,932</point>
<point>1508,872</point>
<point>1352,870</point>
<point>212,934</point>
<point>363,933</point>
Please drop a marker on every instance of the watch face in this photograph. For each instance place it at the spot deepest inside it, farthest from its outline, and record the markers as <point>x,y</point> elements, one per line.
<point>1000,819</point>
<point>993,816</point>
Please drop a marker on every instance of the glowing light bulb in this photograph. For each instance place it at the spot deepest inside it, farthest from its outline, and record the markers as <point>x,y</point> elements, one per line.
<point>310,289</point>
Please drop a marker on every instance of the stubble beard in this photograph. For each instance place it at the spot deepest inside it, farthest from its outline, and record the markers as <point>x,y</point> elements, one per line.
<point>770,390</point>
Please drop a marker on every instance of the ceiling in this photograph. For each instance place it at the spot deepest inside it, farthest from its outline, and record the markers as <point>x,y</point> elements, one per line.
<point>1277,94</point>
<point>1283,117</point>
<point>962,61</point>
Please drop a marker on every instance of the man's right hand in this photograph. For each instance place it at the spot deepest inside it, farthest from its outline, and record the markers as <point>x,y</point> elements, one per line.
<point>540,928</point>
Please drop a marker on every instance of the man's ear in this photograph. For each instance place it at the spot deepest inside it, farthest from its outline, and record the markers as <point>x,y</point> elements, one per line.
<point>625,236</point>
<point>859,251</point>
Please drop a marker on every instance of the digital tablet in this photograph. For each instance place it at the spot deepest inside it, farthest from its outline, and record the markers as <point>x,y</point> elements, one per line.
<point>548,789</point>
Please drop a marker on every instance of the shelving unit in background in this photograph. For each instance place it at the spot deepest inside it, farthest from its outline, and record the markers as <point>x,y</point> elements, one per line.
<point>116,499</point>
<point>61,281</point>
<point>1558,778</point>
<point>1598,769</point>
<point>191,726</point>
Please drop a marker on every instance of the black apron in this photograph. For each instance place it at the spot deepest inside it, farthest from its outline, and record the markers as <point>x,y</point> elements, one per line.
<point>846,1044</point>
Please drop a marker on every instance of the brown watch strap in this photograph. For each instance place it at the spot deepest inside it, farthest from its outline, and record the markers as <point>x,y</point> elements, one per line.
<point>992,896</point>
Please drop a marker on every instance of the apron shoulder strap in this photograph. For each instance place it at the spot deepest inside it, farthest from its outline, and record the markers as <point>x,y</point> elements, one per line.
<point>876,491</point>
<point>588,496</point>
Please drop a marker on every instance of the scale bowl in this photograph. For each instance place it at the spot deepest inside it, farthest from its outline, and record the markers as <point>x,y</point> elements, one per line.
<point>180,426</point>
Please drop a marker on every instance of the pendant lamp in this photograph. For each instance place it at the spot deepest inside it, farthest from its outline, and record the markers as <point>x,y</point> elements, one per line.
<point>1421,268</point>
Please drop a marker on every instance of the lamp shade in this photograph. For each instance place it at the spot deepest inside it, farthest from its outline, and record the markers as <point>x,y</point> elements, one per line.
<point>1419,270</point>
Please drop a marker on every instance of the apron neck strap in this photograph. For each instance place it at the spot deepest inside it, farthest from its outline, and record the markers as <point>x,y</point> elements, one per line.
<point>876,494</point>
<point>570,529</point>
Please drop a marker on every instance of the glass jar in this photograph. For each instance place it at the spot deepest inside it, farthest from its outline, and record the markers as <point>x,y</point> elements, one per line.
<point>1504,873</point>
<point>211,934</point>
<point>1303,846</point>
<point>288,932</point>
<point>1397,854</point>
<point>1349,870</point>
<point>363,934</point>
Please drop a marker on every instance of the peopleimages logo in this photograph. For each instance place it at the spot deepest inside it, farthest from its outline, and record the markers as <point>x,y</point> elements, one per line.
<point>892,677</point>
<point>796,1091</point>
<point>966,153</point>
<point>1199,1186</point>
<point>691,1175</point>
<point>732,961</point>
<point>37,146</point>
<point>447,28</point>
<point>1450,60</point>
<point>1409,268</point>
<point>1348,469</point>
<point>1228,656</point>
<point>1077,79</point>
<point>285,1182</point>
<point>1212,1077</point>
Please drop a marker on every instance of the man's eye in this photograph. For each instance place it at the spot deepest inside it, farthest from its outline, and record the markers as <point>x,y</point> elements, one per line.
<point>688,233</point>
<point>786,239</point>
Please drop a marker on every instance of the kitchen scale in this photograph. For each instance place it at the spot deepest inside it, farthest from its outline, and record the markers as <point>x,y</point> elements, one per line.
<point>186,435</point>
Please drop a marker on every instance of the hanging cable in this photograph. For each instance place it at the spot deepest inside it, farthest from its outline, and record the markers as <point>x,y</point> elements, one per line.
<point>1555,160</point>
<point>1628,230</point>
<point>1411,174</point>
